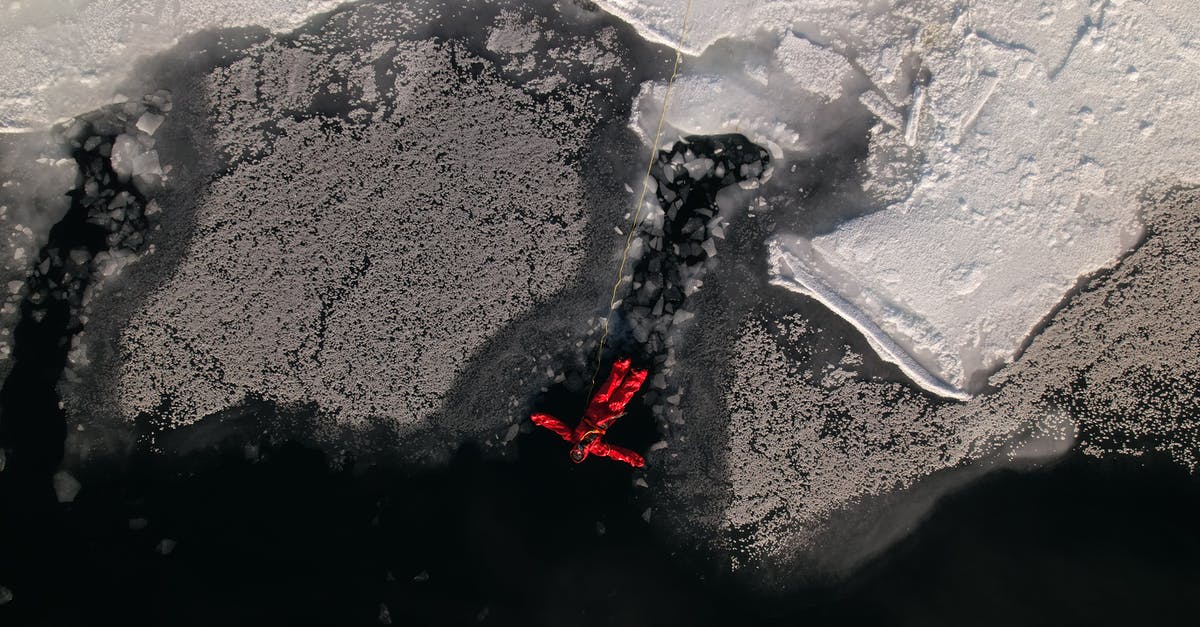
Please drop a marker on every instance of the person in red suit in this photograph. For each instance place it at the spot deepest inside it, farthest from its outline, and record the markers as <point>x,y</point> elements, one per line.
<point>608,404</point>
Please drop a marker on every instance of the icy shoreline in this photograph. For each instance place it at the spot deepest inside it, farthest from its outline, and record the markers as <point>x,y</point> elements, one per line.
<point>788,271</point>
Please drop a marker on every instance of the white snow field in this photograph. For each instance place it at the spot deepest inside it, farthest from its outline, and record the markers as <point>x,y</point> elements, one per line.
<point>64,57</point>
<point>1033,127</point>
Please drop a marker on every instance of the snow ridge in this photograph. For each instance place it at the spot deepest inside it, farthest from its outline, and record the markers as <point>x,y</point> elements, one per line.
<point>787,271</point>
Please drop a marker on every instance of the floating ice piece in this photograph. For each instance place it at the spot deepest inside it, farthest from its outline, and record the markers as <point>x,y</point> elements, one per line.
<point>149,122</point>
<point>66,487</point>
<point>146,163</point>
<point>788,271</point>
<point>697,168</point>
<point>124,150</point>
<point>165,546</point>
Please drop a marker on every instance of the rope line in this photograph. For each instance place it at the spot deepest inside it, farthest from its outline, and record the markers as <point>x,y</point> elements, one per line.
<point>612,301</point>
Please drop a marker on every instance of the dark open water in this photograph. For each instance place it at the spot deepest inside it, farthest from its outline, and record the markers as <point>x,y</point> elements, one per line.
<point>284,538</point>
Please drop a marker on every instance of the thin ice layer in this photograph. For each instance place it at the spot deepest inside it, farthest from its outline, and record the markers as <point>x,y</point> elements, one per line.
<point>358,266</point>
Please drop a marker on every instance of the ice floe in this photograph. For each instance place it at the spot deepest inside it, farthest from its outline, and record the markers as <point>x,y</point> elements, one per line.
<point>1012,147</point>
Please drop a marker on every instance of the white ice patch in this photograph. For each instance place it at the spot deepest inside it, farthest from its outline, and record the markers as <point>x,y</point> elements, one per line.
<point>816,69</point>
<point>1032,128</point>
<point>512,36</point>
<point>790,268</point>
<point>59,55</point>
<point>149,122</point>
<point>712,104</point>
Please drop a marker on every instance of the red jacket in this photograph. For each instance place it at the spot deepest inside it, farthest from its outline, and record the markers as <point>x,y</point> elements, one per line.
<point>608,404</point>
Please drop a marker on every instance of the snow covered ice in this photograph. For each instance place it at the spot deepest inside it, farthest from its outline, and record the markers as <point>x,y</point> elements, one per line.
<point>64,58</point>
<point>1033,131</point>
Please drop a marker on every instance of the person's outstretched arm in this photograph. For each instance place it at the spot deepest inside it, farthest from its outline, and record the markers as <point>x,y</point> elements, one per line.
<point>553,424</point>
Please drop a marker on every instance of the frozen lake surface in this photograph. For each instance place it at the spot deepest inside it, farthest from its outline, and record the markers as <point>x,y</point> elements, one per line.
<point>884,254</point>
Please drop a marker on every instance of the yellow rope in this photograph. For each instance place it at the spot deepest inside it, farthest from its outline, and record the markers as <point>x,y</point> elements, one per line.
<point>612,301</point>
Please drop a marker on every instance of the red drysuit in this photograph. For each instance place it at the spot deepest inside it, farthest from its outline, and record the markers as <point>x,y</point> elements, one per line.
<point>605,407</point>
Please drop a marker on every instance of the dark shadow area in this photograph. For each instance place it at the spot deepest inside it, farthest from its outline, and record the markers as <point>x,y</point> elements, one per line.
<point>1084,542</point>
<point>270,533</point>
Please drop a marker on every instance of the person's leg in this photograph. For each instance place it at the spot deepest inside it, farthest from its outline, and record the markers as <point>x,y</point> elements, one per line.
<point>611,384</point>
<point>621,397</point>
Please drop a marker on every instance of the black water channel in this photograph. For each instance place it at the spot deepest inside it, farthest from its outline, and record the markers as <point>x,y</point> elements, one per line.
<point>282,537</point>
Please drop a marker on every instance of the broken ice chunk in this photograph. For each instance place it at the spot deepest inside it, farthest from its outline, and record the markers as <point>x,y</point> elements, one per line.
<point>66,487</point>
<point>124,149</point>
<point>149,122</point>
<point>699,167</point>
<point>146,163</point>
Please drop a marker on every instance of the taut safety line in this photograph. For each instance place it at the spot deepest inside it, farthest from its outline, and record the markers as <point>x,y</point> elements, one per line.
<point>612,301</point>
